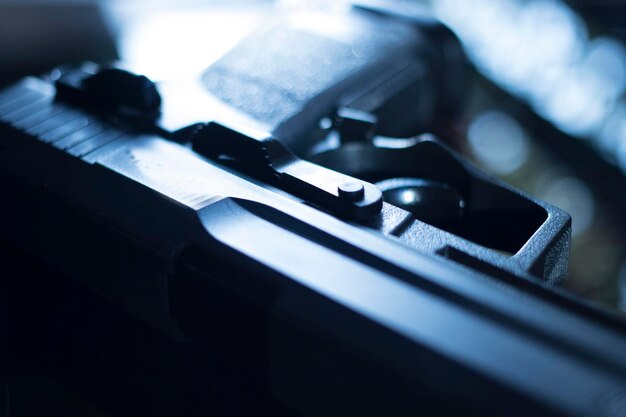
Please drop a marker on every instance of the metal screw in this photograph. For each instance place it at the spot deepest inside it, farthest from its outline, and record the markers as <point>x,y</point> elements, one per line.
<point>351,190</point>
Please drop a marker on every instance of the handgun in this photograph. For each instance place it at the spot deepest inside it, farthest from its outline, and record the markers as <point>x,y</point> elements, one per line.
<point>284,235</point>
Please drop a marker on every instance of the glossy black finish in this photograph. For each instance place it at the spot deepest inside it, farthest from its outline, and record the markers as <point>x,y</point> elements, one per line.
<point>217,264</point>
<point>266,158</point>
<point>341,314</point>
<point>433,202</point>
<point>468,211</point>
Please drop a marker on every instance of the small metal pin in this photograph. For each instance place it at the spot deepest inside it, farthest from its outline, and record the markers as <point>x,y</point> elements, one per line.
<point>351,190</point>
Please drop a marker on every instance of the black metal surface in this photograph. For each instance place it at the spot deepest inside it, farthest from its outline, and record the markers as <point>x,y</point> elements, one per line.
<point>268,159</point>
<point>482,212</point>
<point>318,62</point>
<point>381,309</point>
<point>193,281</point>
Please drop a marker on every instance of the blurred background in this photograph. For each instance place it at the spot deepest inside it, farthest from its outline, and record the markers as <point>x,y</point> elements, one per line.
<point>546,114</point>
<point>544,109</point>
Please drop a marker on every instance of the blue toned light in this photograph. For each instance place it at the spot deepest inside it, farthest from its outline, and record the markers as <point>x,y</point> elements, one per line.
<point>174,41</point>
<point>540,51</point>
<point>498,142</point>
<point>573,196</point>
